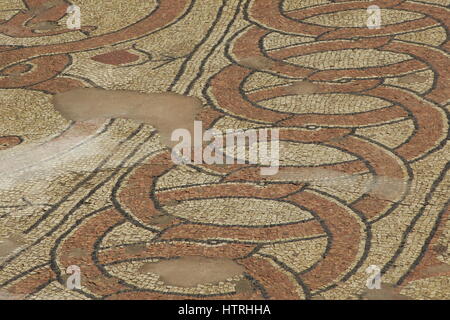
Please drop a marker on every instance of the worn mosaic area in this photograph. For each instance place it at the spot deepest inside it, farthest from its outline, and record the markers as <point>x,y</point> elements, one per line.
<point>363,116</point>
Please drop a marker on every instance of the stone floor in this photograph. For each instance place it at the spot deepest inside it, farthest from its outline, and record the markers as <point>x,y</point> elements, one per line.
<point>363,119</point>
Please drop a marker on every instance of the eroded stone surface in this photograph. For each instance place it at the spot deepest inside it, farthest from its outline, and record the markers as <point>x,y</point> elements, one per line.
<point>302,87</point>
<point>387,292</point>
<point>165,111</point>
<point>244,286</point>
<point>43,25</point>
<point>9,244</point>
<point>257,62</point>
<point>5,295</point>
<point>161,220</point>
<point>412,78</point>
<point>135,249</point>
<point>438,268</point>
<point>192,271</point>
<point>387,188</point>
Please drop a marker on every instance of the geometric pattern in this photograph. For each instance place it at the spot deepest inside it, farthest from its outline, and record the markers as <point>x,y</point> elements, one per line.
<point>365,152</point>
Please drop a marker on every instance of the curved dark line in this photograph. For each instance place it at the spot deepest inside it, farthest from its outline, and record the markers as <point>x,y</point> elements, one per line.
<point>367,244</point>
<point>215,46</point>
<point>282,265</point>
<point>414,221</point>
<point>196,48</point>
<point>22,274</point>
<point>117,186</point>
<point>409,172</point>
<point>426,244</point>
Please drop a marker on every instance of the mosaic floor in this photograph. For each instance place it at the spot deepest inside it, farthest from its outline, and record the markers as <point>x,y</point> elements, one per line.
<point>364,179</point>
